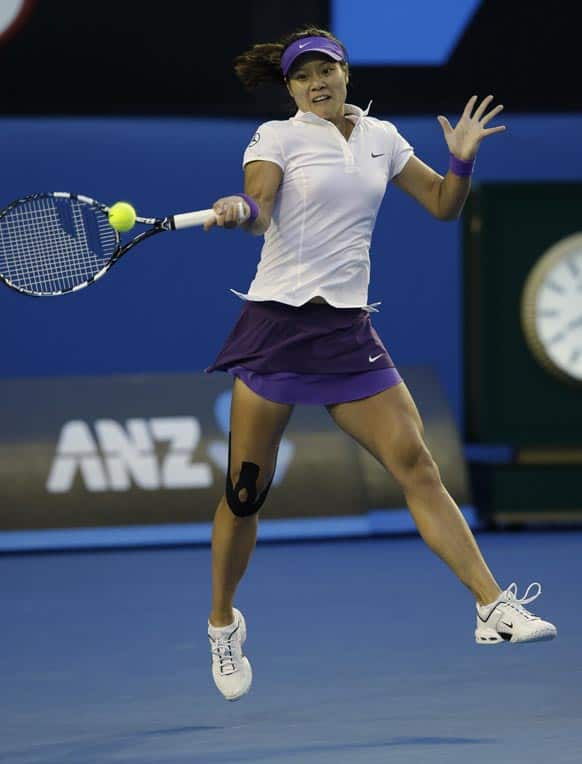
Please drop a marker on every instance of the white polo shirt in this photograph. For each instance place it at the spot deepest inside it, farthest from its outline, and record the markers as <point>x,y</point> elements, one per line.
<point>318,242</point>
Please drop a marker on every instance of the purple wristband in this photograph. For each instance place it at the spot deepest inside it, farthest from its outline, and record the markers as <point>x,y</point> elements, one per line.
<point>461,167</point>
<point>253,206</point>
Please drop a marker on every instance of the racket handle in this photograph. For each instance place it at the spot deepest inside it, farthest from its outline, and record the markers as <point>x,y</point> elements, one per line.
<point>190,219</point>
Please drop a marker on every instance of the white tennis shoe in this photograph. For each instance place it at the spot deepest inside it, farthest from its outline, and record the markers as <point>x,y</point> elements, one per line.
<point>231,670</point>
<point>506,619</point>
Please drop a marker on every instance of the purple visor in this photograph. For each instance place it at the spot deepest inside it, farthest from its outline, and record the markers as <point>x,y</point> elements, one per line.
<point>310,45</point>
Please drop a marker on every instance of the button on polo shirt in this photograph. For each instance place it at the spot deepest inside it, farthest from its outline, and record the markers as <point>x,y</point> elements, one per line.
<point>318,241</point>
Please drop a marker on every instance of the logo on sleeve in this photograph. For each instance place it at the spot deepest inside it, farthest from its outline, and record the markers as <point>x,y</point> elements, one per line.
<point>377,155</point>
<point>254,140</point>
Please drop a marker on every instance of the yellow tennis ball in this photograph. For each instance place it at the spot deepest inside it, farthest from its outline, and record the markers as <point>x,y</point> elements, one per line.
<point>122,216</point>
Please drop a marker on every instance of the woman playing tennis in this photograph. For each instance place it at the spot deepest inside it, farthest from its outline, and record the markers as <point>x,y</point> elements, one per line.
<point>313,185</point>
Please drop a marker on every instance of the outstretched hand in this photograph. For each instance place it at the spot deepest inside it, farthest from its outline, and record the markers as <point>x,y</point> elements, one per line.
<point>464,139</point>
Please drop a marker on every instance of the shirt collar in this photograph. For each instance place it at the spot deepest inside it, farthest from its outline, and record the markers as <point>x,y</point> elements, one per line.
<point>349,111</point>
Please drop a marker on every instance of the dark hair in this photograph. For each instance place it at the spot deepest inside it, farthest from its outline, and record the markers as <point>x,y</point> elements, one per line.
<point>262,62</point>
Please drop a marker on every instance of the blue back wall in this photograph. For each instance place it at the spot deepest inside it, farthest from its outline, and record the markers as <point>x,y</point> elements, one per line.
<point>166,306</point>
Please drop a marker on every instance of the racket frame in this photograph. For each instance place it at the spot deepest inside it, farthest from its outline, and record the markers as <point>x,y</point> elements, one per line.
<point>157,225</point>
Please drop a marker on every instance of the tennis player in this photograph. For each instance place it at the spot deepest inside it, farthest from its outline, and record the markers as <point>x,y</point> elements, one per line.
<point>313,186</point>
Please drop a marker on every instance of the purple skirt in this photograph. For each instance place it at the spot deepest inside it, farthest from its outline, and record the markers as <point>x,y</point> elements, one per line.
<point>314,354</point>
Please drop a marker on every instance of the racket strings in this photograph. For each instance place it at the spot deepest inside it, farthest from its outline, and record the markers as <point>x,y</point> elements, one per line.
<point>50,245</point>
<point>36,248</point>
<point>43,253</point>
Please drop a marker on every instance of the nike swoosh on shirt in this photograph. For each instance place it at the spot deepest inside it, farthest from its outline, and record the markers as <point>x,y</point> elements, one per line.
<point>377,155</point>
<point>374,358</point>
<point>304,44</point>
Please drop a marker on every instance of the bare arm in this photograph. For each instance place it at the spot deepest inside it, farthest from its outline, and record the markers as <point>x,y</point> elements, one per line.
<point>262,181</point>
<point>445,197</point>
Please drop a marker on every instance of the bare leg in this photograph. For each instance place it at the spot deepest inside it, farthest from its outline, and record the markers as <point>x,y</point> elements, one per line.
<point>233,542</point>
<point>388,425</point>
<point>256,429</point>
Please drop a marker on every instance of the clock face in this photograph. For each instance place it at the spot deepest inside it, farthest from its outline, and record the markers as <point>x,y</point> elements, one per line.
<point>553,322</point>
<point>13,13</point>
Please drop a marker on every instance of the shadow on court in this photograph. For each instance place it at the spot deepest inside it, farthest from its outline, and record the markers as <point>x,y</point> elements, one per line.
<point>119,749</point>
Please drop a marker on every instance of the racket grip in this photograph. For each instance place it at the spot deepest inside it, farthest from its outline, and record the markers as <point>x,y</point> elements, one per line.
<point>190,219</point>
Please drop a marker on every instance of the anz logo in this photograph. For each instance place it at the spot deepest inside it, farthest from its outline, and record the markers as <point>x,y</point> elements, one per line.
<point>111,456</point>
<point>115,456</point>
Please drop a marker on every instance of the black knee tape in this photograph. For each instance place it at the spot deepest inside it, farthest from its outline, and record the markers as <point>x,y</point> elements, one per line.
<point>247,480</point>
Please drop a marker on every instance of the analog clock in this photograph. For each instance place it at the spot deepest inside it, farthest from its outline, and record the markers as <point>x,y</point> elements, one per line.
<point>551,309</point>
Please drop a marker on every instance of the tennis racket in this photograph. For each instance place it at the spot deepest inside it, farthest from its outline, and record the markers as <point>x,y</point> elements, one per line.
<point>55,243</point>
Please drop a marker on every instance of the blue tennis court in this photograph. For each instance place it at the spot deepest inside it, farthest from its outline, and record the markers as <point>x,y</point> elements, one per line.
<point>362,651</point>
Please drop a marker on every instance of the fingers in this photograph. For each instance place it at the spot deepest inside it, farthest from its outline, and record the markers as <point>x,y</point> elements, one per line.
<point>480,114</point>
<point>468,110</point>
<point>482,106</point>
<point>484,117</point>
<point>492,130</point>
<point>445,124</point>
<point>493,113</point>
<point>230,216</point>
<point>230,212</point>
<point>465,138</point>
<point>210,223</point>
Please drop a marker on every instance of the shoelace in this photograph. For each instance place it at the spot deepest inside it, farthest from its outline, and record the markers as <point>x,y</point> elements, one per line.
<point>517,603</point>
<point>222,649</point>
